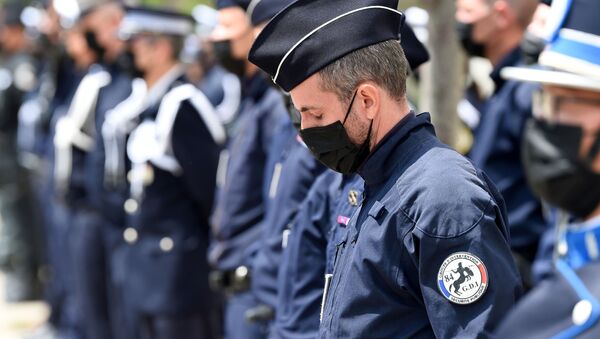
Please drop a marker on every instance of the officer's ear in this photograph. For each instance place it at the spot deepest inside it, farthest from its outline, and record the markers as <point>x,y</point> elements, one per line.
<point>505,15</point>
<point>368,99</point>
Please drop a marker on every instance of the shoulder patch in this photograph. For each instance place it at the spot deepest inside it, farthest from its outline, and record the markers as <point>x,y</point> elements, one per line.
<point>462,278</point>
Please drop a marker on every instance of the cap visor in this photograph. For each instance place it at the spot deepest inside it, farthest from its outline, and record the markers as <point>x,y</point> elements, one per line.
<point>550,77</point>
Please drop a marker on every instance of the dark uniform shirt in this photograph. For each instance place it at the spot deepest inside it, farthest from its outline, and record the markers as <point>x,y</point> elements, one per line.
<point>294,170</point>
<point>320,223</point>
<point>497,151</point>
<point>240,203</point>
<point>427,254</point>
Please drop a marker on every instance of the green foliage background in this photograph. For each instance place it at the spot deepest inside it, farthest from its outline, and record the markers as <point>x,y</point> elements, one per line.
<point>183,5</point>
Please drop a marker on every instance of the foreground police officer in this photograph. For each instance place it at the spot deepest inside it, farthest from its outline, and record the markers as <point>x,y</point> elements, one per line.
<point>316,232</point>
<point>240,204</point>
<point>562,161</point>
<point>427,253</point>
<point>494,30</point>
<point>18,248</point>
<point>173,154</point>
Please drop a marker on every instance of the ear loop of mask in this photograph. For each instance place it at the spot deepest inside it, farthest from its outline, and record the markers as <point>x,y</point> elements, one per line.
<point>350,107</point>
<point>594,150</point>
<point>368,139</point>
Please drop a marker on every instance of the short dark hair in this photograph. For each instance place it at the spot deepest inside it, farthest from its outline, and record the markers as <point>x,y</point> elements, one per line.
<point>383,63</point>
<point>177,43</point>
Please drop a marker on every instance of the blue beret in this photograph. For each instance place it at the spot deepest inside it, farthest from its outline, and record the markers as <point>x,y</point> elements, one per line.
<point>260,11</point>
<point>310,34</point>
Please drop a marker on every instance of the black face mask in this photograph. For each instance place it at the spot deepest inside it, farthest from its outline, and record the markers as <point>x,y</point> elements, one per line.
<point>531,47</point>
<point>223,54</point>
<point>331,145</point>
<point>465,35</point>
<point>94,45</point>
<point>554,169</point>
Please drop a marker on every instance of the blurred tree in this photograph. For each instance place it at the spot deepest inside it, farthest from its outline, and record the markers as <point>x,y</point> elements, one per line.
<point>442,77</point>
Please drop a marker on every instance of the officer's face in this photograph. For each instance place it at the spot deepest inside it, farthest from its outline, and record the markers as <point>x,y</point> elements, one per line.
<point>478,13</point>
<point>234,26</point>
<point>321,108</point>
<point>574,107</point>
<point>144,48</point>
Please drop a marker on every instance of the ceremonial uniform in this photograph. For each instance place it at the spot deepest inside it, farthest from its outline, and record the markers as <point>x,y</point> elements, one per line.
<point>172,137</point>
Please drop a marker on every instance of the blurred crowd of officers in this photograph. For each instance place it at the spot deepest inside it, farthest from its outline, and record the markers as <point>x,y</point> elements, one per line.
<point>156,183</point>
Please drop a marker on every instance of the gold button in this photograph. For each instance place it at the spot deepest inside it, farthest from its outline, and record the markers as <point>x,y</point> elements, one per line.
<point>166,244</point>
<point>131,206</point>
<point>130,235</point>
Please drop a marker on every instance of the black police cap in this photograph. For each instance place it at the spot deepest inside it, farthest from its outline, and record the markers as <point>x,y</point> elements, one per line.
<point>310,34</point>
<point>415,51</point>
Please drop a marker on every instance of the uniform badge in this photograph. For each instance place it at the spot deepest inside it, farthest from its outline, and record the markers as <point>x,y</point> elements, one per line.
<point>353,198</point>
<point>462,278</point>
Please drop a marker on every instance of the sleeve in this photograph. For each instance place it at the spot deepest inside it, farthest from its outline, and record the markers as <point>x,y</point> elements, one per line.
<point>468,281</point>
<point>197,154</point>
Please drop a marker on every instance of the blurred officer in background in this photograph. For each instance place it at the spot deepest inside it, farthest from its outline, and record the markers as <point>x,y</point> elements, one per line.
<point>19,246</point>
<point>561,150</point>
<point>534,40</point>
<point>95,234</point>
<point>173,154</point>
<point>240,204</point>
<point>290,171</point>
<point>222,88</point>
<point>67,141</point>
<point>413,262</point>
<point>494,29</point>
<point>313,237</point>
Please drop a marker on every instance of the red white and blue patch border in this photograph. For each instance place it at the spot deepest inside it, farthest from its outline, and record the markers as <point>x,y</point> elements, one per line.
<point>477,277</point>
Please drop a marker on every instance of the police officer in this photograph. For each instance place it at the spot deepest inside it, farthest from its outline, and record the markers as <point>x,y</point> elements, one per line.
<point>290,172</point>
<point>173,154</point>
<point>420,255</point>
<point>19,256</point>
<point>222,88</point>
<point>320,227</point>
<point>494,30</point>
<point>240,205</point>
<point>95,237</point>
<point>562,164</point>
